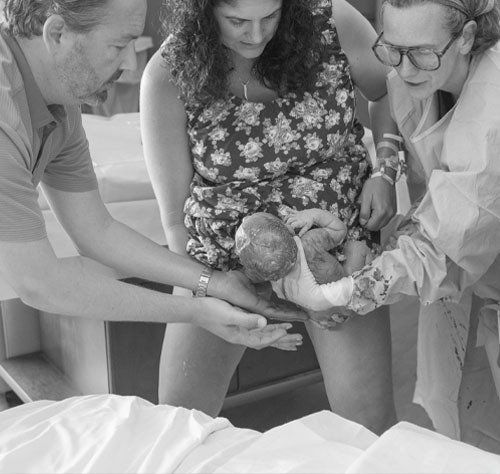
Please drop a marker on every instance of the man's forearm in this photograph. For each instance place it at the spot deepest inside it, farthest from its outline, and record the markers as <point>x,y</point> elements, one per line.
<point>132,254</point>
<point>78,287</point>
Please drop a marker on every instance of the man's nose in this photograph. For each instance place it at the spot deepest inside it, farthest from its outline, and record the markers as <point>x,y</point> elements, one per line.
<point>129,61</point>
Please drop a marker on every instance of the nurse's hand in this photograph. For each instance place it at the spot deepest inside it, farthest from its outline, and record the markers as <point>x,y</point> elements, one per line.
<point>239,327</point>
<point>378,203</point>
<point>238,290</point>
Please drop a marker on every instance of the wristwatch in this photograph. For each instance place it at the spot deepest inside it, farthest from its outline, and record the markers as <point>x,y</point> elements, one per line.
<point>202,287</point>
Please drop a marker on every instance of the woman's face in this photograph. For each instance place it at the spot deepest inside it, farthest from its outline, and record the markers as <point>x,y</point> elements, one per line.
<point>422,26</point>
<point>246,26</point>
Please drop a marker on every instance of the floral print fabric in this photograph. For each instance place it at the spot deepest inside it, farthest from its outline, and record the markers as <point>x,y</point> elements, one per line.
<point>372,285</point>
<point>296,152</point>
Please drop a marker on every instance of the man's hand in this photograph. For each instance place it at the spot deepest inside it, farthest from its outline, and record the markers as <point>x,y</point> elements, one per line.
<point>239,327</point>
<point>378,203</point>
<point>237,289</point>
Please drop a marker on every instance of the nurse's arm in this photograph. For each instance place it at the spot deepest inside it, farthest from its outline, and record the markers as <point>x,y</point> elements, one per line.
<point>461,250</point>
<point>356,35</point>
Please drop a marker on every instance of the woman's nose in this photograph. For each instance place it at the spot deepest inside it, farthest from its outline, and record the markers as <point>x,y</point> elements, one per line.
<point>256,34</point>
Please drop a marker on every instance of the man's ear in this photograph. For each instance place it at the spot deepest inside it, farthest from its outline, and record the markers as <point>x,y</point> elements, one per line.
<point>54,31</point>
<point>468,37</point>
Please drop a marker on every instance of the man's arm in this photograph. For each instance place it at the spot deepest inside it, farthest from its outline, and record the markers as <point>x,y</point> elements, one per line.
<point>99,237</point>
<point>76,287</point>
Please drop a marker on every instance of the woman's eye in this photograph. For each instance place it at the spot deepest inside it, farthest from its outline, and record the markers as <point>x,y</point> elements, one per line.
<point>237,23</point>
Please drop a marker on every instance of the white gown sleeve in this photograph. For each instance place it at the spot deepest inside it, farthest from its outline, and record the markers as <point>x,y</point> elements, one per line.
<point>454,236</point>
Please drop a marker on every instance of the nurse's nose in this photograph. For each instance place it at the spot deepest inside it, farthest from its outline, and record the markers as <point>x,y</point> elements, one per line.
<point>129,61</point>
<point>406,69</point>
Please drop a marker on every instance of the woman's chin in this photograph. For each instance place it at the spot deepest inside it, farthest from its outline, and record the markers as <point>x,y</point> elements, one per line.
<point>420,91</point>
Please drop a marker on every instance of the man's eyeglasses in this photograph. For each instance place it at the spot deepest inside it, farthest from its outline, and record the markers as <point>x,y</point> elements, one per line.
<point>426,59</point>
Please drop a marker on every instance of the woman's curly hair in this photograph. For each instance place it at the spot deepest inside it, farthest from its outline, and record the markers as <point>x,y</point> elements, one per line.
<point>199,63</point>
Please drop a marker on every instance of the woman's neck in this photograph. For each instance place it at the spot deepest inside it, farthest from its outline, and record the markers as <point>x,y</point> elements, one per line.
<point>242,65</point>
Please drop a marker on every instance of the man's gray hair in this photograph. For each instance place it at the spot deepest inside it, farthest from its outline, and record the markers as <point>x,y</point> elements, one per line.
<point>25,18</point>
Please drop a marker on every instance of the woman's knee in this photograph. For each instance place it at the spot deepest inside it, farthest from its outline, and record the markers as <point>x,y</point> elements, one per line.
<point>355,360</point>
<point>196,368</point>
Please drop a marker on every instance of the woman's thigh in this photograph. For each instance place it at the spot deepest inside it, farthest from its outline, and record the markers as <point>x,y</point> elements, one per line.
<point>356,363</point>
<point>196,368</point>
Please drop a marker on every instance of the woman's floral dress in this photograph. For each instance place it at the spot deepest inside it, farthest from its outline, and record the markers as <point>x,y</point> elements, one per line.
<point>297,151</point>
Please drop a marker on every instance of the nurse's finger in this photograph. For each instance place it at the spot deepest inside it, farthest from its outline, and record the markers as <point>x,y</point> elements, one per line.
<point>365,209</point>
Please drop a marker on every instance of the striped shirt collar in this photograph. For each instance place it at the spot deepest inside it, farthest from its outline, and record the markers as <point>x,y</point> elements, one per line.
<point>41,114</point>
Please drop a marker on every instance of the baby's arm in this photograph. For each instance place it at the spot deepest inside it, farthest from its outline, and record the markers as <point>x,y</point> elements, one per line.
<point>317,217</point>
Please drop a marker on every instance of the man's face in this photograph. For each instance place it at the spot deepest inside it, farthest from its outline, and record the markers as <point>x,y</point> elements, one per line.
<point>421,25</point>
<point>95,60</point>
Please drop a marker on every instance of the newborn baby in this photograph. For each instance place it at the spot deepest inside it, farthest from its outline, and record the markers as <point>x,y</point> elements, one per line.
<point>268,249</point>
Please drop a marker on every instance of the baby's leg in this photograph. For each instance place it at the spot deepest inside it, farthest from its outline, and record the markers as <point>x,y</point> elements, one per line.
<point>357,255</point>
<point>324,266</point>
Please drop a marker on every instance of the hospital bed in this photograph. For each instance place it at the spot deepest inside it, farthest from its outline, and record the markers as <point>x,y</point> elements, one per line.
<point>113,434</point>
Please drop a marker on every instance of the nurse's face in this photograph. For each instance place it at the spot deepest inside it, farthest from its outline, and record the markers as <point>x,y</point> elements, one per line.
<point>422,25</point>
<point>246,26</point>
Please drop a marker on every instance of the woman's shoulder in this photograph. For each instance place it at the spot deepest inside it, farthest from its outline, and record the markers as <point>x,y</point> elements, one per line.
<point>157,81</point>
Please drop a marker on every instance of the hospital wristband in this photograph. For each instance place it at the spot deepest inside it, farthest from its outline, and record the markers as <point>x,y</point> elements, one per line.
<point>387,144</point>
<point>202,287</point>
<point>383,175</point>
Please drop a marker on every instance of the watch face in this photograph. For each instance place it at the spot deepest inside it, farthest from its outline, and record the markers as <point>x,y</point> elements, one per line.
<point>201,289</point>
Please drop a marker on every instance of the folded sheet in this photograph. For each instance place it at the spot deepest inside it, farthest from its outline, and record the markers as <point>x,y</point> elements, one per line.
<point>103,434</point>
<point>410,449</point>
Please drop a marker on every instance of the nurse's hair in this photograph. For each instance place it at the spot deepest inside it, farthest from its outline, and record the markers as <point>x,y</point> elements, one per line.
<point>25,18</point>
<point>486,13</point>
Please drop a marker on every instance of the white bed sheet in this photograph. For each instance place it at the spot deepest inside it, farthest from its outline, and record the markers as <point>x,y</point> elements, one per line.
<point>113,434</point>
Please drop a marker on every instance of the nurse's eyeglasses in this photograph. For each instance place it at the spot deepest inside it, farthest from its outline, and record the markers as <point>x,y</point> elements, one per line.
<point>426,59</point>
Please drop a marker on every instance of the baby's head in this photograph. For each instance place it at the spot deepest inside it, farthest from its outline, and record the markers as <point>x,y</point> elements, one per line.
<point>266,247</point>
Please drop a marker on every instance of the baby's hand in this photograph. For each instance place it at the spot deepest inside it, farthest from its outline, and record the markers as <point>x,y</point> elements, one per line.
<point>300,219</point>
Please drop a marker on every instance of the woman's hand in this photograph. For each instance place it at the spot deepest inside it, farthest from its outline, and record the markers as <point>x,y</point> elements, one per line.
<point>237,289</point>
<point>239,327</point>
<point>378,203</point>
